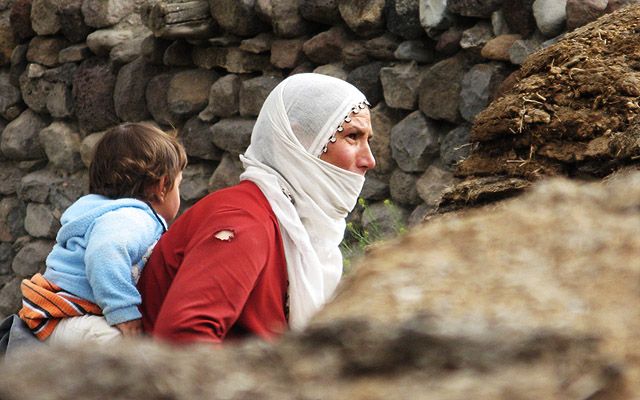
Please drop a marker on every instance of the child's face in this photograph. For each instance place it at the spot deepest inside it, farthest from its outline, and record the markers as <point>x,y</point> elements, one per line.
<point>169,204</point>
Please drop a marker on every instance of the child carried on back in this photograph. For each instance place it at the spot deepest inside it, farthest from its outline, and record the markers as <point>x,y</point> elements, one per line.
<point>88,290</point>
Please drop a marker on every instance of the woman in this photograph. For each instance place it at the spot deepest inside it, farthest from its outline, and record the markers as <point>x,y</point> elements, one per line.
<point>263,255</point>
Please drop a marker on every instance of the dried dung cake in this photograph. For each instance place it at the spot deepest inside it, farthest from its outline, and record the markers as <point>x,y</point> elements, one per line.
<point>572,111</point>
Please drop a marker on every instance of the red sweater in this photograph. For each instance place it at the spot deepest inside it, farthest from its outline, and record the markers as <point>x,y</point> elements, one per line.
<point>197,287</point>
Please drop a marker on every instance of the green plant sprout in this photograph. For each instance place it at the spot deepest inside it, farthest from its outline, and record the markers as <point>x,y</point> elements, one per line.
<point>360,237</point>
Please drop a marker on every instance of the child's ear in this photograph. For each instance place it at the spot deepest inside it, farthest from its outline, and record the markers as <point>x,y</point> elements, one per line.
<point>157,191</point>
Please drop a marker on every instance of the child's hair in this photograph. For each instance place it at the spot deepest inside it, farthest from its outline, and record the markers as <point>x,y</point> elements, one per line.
<point>132,157</point>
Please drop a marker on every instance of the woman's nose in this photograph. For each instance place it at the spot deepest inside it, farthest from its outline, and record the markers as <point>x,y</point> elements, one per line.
<point>366,160</point>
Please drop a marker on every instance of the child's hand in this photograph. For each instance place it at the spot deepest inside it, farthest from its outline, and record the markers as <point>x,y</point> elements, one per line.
<point>130,328</point>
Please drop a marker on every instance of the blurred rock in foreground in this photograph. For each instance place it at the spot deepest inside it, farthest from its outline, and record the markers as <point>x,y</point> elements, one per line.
<point>533,298</point>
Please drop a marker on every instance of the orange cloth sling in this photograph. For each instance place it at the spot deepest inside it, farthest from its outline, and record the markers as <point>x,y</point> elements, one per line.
<point>44,304</point>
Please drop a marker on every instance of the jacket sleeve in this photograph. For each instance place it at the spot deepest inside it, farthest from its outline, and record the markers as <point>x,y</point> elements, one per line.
<point>118,240</point>
<point>214,280</point>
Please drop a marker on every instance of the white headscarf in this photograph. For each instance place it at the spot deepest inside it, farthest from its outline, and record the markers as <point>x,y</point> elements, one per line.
<point>295,123</point>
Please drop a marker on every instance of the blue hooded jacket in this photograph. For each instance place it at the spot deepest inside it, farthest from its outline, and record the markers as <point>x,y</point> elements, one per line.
<point>100,250</point>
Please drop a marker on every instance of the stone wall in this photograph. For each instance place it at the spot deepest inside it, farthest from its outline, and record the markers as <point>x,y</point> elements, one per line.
<point>69,69</point>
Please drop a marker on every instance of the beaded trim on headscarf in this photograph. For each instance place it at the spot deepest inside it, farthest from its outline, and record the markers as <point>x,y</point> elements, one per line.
<point>354,110</point>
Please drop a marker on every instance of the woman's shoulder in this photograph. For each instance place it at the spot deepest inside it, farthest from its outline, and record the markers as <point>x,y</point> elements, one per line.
<point>245,195</point>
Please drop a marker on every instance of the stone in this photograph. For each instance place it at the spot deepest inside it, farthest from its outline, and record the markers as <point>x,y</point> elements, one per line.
<point>284,17</point>
<point>103,13</point>
<point>179,19</point>
<point>476,36</point>
<point>403,18</point>
<point>232,134</point>
<point>44,50</point>
<point>194,184</point>
<point>414,50</point>
<point>68,189</point>
<point>432,183</point>
<point>415,142</point>
<point>418,215</point>
<point>225,40</point>
<point>376,187</point>
<point>7,41</point>
<point>6,256</point>
<point>434,15</point>
<point>10,98</point>
<point>449,42</point>
<point>253,93</point>
<point>364,17</point>
<point>382,47</point>
<point>30,259</point>
<point>129,50</point>
<point>367,79</point>
<point>322,11</point>
<point>227,173</point>
<point>20,18</point>
<point>518,15</point>
<point>224,98</point>
<point>153,49</point>
<point>122,42</point>
<point>61,143</point>
<point>87,146</point>
<point>384,220</point>
<point>130,88</point>
<point>10,297</point>
<point>10,176</point>
<point>60,100</point>
<point>18,63</point>
<point>59,94</point>
<point>74,54</point>
<point>157,104</point>
<point>93,86</point>
<point>614,5</point>
<point>20,137</point>
<point>258,44</point>
<point>41,221</point>
<point>400,84</point>
<point>178,54</point>
<point>188,91</point>
<point>581,12</point>
<point>45,19</point>
<point>237,17</point>
<point>498,47</point>
<point>335,70</point>
<point>521,49</point>
<point>402,186</point>
<point>473,8</point>
<point>499,24</point>
<point>383,119</point>
<point>195,135</point>
<point>12,213</point>
<point>231,59</point>
<point>34,89</point>
<point>72,24</point>
<point>455,146</point>
<point>354,54</point>
<point>36,186</point>
<point>550,16</point>
<point>478,88</point>
<point>326,47</point>
<point>439,96</point>
<point>287,54</point>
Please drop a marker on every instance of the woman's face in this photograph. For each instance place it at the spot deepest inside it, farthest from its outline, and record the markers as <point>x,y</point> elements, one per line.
<point>351,149</point>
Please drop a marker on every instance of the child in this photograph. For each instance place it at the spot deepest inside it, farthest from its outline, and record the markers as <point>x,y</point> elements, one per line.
<point>88,290</point>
